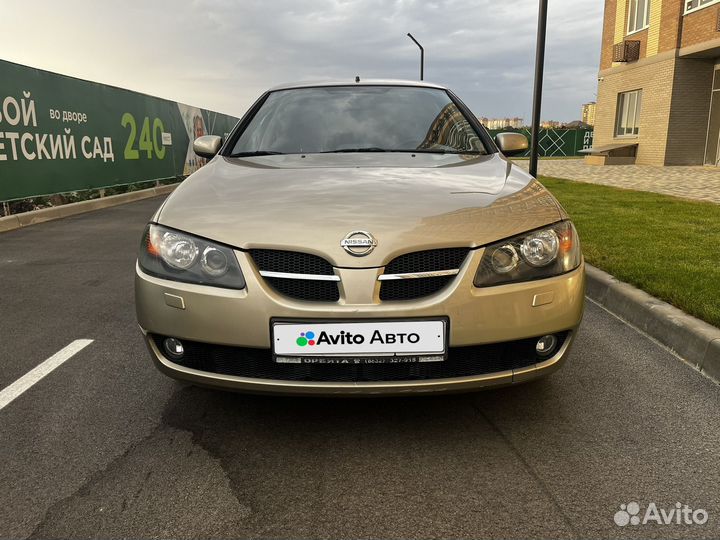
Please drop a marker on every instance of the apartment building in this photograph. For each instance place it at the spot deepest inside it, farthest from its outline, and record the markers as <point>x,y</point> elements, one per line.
<point>499,123</point>
<point>587,113</point>
<point>658,85</point>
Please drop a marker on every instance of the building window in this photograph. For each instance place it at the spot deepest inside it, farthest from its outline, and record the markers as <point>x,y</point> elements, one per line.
<point>639,15</point>
<point>627,123</point>
<point>693,5</point>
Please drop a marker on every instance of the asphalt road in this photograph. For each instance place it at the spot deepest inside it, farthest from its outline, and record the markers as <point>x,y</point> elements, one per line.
<point>105,446</point>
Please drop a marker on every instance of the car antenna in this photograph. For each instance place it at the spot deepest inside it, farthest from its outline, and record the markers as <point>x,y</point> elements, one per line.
<point>357,78</point>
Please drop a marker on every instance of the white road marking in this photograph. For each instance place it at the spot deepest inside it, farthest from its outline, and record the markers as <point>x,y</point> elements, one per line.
<point>34,375</point>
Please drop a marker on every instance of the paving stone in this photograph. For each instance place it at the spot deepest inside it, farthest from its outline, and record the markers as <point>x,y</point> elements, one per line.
<point>699,183</point>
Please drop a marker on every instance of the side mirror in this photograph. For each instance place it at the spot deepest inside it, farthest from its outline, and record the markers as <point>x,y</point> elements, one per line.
<point>511,144</point>
<point>207,146</point>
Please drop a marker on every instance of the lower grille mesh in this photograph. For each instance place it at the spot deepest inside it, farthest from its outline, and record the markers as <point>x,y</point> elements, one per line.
<point>305,289</point>
<point>258,363</point>
<point>410,289</point>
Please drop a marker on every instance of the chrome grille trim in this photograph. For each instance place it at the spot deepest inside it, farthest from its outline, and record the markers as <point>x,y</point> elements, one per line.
<point>309,277</point>
<point>419,275</point>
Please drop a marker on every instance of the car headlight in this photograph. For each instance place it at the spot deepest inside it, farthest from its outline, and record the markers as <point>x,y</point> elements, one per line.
<point>179,256</point>
<point>538,254</point>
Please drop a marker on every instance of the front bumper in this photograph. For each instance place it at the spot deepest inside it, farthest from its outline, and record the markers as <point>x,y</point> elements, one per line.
<point>477,316</point>
<point>385,388</point>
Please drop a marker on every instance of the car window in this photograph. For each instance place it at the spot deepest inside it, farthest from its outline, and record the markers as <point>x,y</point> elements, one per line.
<point>358,118</point>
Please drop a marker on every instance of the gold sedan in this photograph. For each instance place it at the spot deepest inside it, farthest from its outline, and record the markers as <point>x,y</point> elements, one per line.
<point>359,238</point>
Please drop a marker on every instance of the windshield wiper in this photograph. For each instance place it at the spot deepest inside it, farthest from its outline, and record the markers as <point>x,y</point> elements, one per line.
<point>258,153</point>
<point>346,150</point>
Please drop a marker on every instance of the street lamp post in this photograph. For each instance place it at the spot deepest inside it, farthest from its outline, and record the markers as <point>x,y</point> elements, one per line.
<point>537,93</point>
<point>422,55</point>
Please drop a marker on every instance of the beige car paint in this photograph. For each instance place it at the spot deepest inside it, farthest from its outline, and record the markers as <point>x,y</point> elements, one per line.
<point>408,202</point>
<point>313,202</point>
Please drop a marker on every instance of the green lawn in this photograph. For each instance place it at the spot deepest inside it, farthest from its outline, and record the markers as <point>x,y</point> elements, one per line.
<point>667,246</point>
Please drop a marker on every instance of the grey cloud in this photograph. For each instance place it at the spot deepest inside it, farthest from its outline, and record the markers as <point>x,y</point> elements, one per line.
<point>222,54</point>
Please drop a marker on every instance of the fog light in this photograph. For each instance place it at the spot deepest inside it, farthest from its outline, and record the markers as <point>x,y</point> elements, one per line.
<point>173,348</point>
<point>546,345</point>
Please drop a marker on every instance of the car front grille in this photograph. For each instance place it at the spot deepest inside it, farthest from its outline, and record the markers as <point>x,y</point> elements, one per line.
<point>259,364</point>
<point>290,262</point>
<point>433,260</point>
<point>306,289</point>
<point>302,274</point>
<point>410,289</point>
<point>427,261</point>
<point>297,269</point>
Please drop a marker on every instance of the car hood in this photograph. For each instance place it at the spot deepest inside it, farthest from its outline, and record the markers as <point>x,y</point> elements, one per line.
<point>407,202</point>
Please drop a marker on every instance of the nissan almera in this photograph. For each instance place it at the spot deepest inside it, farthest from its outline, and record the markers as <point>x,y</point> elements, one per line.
<point>359,238</point>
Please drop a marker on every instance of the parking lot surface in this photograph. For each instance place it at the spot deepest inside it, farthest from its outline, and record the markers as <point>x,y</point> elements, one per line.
<point>105,446</point>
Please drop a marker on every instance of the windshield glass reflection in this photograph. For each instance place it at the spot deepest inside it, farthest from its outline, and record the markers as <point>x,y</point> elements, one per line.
<point>358,119</point>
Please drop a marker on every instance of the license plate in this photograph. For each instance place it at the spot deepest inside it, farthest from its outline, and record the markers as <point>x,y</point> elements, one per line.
<point>364,360</point>
<point>359,339</point>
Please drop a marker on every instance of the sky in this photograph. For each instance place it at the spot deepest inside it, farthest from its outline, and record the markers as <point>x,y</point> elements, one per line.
<point>222,54</point>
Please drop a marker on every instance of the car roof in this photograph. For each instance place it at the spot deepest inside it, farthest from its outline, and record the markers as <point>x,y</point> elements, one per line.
<point>351,82</point>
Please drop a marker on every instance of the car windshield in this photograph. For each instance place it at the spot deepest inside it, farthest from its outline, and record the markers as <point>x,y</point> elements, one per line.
<point>358,119</point>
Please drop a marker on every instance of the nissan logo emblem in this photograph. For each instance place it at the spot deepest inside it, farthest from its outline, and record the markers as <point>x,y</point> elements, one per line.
<point>358,243</point>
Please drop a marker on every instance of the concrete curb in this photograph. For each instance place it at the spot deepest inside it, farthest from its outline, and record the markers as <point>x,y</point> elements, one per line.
<point>17,221</point>
<point>696,341</point>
